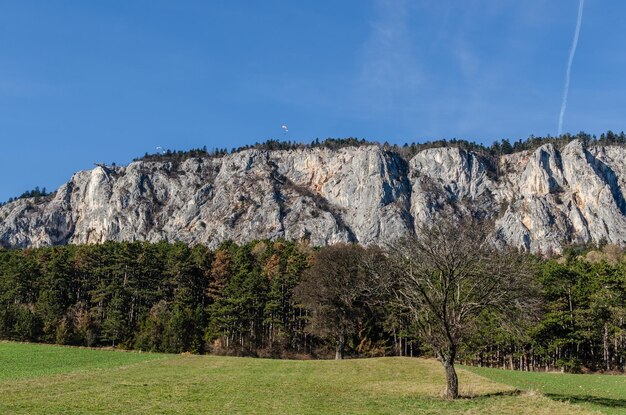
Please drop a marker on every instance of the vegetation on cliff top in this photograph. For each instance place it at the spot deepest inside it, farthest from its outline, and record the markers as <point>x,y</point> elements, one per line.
<point>489,153</point>
<point>496,149</point>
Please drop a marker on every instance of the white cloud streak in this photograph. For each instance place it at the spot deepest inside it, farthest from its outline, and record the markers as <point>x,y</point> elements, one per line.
<point>568,72</point>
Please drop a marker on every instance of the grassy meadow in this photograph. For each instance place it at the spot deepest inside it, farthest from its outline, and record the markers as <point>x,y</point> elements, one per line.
<point>26,360</point>
<point>604,393</point>
<point>41,379</point>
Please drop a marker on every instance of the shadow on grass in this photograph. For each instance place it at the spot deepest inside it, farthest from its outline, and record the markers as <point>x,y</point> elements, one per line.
<point>578,399</point>
<point>489,395</point>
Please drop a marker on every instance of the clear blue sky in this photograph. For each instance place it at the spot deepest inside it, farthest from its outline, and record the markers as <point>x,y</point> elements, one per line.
<point>106,81</point>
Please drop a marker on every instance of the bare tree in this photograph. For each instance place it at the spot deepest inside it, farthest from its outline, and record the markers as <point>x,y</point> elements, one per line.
<point>337,289</point>
<point>448,275</point>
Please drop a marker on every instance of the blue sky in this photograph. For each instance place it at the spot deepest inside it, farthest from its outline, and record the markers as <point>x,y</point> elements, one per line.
<point>87,81</point>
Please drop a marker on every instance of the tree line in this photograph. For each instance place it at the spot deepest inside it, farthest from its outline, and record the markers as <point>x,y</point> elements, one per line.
<point>445,292</point>
<point>35,194</point>
<point>156,296</point>
<point>582,324</point>
<point>407,151</point>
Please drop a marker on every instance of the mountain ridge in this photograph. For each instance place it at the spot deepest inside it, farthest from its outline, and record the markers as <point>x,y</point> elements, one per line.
<point>540,199</point>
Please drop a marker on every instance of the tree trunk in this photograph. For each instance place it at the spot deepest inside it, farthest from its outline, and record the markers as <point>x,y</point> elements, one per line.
<point>447,357</point>
<point>452,381</point>
<point>341,344</point>
<point>605,344</point>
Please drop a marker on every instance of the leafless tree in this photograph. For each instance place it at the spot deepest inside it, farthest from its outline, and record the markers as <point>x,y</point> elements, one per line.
<point>337,290</point>
<point>448,275</point>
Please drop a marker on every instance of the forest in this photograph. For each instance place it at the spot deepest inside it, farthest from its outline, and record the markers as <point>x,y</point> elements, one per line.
<point>264,299</point>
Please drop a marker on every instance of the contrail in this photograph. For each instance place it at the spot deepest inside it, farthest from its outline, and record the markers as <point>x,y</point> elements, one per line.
<point>568,73</point>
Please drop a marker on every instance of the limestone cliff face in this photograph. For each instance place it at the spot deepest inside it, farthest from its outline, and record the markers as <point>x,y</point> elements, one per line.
<point>539,199</point>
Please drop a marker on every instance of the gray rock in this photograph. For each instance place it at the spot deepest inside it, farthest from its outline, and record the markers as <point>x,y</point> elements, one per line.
<point>540,200</point>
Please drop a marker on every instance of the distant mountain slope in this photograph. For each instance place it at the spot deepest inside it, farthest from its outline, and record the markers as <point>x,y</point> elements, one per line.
<point>540,199</point>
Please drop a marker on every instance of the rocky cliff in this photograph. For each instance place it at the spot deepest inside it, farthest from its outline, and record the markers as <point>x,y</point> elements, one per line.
<point>540,199</point>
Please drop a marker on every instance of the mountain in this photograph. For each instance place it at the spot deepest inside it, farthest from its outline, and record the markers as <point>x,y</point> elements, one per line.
<point>539,199</point>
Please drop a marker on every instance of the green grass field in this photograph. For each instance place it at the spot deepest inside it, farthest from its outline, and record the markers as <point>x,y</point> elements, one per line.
<point>19,360</point>
<point>604,393</point>
<point>39,379</point>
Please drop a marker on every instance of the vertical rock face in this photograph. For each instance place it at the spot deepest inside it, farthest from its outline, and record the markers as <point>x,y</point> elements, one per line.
<point>539,200</point>
<point>365,190</point>
<point>449,178</point>
<point>574,195</point>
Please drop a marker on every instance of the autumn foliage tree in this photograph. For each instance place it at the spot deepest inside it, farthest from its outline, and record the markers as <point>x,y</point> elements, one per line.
<point>338,291</point>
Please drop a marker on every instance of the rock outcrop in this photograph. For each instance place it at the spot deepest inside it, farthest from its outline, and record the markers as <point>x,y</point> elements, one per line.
<point>540,200</point>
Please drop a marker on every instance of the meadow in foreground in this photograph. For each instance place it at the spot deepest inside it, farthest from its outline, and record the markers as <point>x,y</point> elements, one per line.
<point>40,379</point>
<point>604,393</point>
